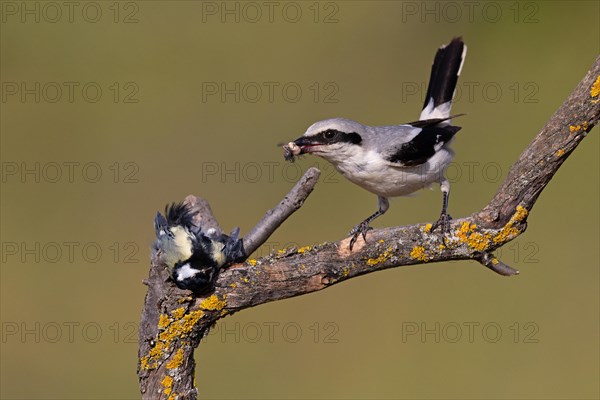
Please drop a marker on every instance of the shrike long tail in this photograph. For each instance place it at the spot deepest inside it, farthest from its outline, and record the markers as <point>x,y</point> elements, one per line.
<point>445,71</point>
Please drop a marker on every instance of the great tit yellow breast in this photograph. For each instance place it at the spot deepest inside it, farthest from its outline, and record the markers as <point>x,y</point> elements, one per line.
<point>181,238</point>
<point>217,253</point>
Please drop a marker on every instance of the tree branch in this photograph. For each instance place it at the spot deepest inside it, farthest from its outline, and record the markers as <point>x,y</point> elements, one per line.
<point>174,321</point>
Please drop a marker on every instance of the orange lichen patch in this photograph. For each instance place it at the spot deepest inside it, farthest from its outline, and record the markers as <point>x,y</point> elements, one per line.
<point>560,153</point>
<point>383,257</point>
<point>157,350</point>
<point>187,323</point>
<point>213,303</point>
<point>577,128</point>
<point>475,240</point>
<point>176,361</point>
<point>427,228</point>
<point>167,383</point>
<point>144,363</point>
<point>418,253</point>
<point>233,285</point>
<point>464,231</point>
<point>304,249</point>
<point>252,262</point>
<point>178,313</point>
<point>179,327</point>
<point>479,241</point>
<point>163,321</point>
<point>595,90</point>
<point>150,361</point>
<point>184,299</point>
<point>509,231</point>
<point>441,247</point>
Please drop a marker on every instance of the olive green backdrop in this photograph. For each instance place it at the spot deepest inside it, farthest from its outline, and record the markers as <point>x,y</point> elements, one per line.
<point>111,110</point>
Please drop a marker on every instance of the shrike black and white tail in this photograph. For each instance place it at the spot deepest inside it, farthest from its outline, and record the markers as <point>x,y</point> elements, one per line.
<point>445,71</point>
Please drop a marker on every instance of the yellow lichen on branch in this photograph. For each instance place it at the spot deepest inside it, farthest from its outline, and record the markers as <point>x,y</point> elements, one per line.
<point>475,240</point>
<point>509,231</point>
<point>595,90</point>
<point>179,325</point>
<point>213,303</point>
<point>304,249</point>
<point>418,253</point>
<point>577,128</point>
<point>383,257</point>
<point>167,383</point>
<point>163,321</point>
<point>483,239</point>
<point>176,361</point>
<point>178,313</point>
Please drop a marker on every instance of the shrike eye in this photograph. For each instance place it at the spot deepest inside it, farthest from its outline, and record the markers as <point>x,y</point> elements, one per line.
<point>330,134</point>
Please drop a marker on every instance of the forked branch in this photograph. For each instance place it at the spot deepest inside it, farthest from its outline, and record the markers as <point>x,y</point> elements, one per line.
<point>174,321</point>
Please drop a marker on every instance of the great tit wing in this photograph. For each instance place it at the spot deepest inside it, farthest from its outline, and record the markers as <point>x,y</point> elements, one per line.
<point>160,225</point>
<point>235,233</point>
<point>234,247</point>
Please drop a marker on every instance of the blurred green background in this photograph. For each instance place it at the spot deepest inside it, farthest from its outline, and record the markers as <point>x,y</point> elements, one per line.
<point>110,110</point>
